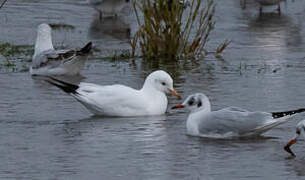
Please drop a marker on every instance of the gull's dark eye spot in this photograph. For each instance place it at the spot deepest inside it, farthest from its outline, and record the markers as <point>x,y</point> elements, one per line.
<point>163,83</point>
<point>298,132</point>
<point>191,102</point>
<point>199,104</point>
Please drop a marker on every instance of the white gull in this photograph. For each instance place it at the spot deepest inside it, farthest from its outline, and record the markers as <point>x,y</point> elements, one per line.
<point>123,101</point>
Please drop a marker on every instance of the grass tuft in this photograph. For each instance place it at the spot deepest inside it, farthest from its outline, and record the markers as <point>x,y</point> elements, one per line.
<point>164,33</point>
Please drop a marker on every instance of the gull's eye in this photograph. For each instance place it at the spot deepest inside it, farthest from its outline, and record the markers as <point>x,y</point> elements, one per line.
<point>163,83</point>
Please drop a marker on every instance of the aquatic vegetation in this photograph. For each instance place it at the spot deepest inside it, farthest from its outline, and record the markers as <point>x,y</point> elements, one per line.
<point>222,46</point>
<point>2,4</point>
<point>7,63</point>
<point>164,32</point>
<point>12,53</point>
<point>6,49</point>
<point>62,26</point>
<point>121,55</point>
<point>9,50</point>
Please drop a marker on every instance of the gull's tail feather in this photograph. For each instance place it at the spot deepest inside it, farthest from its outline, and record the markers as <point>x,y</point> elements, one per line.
<point>66,87</point>
<point>85,50</point>
<point>278,119</point>
<point>276,115</point>
<point>264,128</point>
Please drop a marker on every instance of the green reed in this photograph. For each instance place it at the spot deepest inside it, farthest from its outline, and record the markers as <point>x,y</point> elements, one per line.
<point>164,33</point>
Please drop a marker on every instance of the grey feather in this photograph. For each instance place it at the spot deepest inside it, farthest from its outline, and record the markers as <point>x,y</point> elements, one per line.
<point>52,58</point>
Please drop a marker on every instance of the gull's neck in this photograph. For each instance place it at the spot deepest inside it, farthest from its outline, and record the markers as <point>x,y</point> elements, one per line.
<point>156,100</point>
<point>43,41</point>
<point>147,86</point>
<point>201,110</point>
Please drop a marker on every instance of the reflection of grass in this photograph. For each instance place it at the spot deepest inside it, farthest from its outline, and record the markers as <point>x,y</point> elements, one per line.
<point>163,33</point>
<point>62,26</point>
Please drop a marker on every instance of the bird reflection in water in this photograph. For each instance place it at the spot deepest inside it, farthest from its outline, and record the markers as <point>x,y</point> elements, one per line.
<point>109,27</point>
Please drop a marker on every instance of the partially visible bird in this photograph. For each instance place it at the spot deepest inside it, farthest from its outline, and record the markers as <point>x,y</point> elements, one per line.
<point>269,3</point>
<point>48,61</point>
<point>228,122</point>
<point>184,3</point>
<point>109,28</point>
<point>300,128</point>
<point>108,7</point>
<point>123,101</point>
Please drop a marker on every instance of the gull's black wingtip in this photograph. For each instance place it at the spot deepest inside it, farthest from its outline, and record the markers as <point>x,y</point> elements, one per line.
<point>276,115</point>
<point>86,49</point>
<point>66,87</point>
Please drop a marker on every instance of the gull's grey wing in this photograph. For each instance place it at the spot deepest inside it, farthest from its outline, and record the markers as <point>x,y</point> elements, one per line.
<point>233,120</point>
<point>52,58</point>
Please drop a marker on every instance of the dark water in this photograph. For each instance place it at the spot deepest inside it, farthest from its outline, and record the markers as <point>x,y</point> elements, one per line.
<point>46,134</point>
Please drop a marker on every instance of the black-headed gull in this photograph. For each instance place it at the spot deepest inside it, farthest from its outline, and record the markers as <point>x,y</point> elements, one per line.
<point>299,130</point>
<point>228,122</point>
<point>48,61</point>
<point>120,100</point>
<point>108,7</point>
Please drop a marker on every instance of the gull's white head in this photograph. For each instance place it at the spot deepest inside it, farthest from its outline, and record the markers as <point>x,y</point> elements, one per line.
<point>195,102</point>
<point>44,39</point>
<point>160,81</point>
<point>300,129</point>
<point>43,29</point>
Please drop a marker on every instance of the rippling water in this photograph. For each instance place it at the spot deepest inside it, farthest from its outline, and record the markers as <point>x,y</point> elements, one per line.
<point>46,134</point>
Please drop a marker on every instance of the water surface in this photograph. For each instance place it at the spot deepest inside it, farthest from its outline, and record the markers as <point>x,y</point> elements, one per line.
<point>46,134</point>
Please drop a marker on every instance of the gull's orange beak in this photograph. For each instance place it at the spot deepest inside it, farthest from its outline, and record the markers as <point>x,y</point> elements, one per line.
<point>179,106</point>
<point>287,147</point>
<point>175,93</point>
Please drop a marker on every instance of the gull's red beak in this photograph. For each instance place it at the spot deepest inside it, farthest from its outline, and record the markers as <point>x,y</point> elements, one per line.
<point>179,106</point>
<point>287,147</point>
<point>175,93</point>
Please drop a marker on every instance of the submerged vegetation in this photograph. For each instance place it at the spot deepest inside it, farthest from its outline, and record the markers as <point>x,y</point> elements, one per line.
<point>164,32</point>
